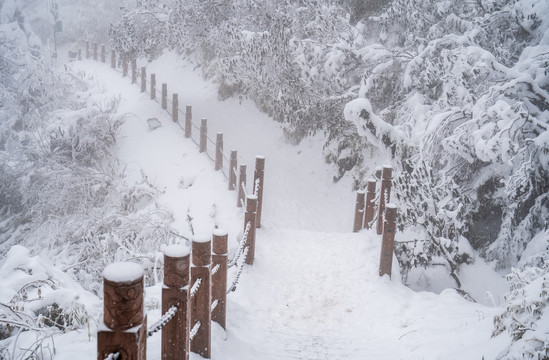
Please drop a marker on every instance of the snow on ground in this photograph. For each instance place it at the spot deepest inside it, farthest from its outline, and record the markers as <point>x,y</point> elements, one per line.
<point>313,291</point>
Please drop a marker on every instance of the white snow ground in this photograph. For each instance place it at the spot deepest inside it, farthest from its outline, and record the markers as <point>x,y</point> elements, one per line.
<point>313,291</point>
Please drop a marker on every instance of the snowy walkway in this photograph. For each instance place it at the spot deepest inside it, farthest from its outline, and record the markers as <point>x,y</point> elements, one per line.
<point>313,291</point>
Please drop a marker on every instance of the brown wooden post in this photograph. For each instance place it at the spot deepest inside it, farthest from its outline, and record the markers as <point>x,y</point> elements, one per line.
<point>219,151</point>
<point>359,211</point>
<point>113,59</point>
<point>143,79</point>
<point>124,67</point>
<point>203,135</point>
<point>370,197</point>
<point>201,297</point>
<point>175,292</point>
<point>87,49</point>
<point>232,170</point>
<point>384,195</point>
<point>219,277</point>
<point>259,176</point>
<point>175,108</point>
<point>188,120</point>
<point>134,71</point>
<point>95,51</point>
<point>124,327</point>
<point>241,186</point>
<point>153,86</point>
<point>79,54</point>
<point>164,96</point>
<point>388,242</point>
<point>103,53</point>
<point>250,217</point>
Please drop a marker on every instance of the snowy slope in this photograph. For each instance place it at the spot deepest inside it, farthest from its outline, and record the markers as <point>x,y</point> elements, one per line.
<point>313,291</point>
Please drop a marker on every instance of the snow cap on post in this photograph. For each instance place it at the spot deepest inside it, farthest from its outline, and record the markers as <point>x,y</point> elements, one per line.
<point>123,272</point>
<point>176,250</point>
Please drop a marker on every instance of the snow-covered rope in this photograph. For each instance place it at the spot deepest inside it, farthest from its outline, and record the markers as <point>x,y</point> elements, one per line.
<point>194,330</point>
<point>243,185</point>
<point>235,281</point>
<point>216,269</point>
<point>242,244</point>
<point>113,356</point>
<point>214,305</point>
<point>164,319</point>
<point>256,186</point>
<point>195,287</point>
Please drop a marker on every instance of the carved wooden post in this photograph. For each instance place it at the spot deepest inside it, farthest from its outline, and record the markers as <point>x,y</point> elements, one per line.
<point>87,49</point>
<point>95,51</point>
<point>219,151</point>
<point>250,217</point>
<point>232,170</point>
<point>259,176</point>
<point>124,66</point>
<point>175,292</point>
<point>188,120</point>
<point>388,242</point>
<point>164,96</point>
<point>143,79</point>
<point>201,300</point>
<point>370,196</point>
<point>134,71</point>
<point>175,108</point>
<point>124,327</point>
<point>384,195</point>
<point>241,186</point>
<point>103,53</point>
<point>219,277</point>
<point>153,86</point>
<point>203,135</point>
<point>79,54</point>
<point>113,59</point>
<point>359,211</point>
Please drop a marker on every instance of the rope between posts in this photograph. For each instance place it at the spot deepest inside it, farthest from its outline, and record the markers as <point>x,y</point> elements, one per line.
<point>164,319</point>
<point>214,305</point>
<point>113,356</point>
<point>194,330</point>
<point>235,281</point>
<point>195,287</point>
<point>256,187</point>
<point>242,244</point>
<point>216,269</point>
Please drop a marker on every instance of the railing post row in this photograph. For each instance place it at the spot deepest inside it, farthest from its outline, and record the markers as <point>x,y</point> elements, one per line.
<point>201,301</point>
<point>175,292</point>
<point>123,310</point>
<point>143,79</point>
<point>124,66</point>
<point>259,178</point>
<point>384,195</point>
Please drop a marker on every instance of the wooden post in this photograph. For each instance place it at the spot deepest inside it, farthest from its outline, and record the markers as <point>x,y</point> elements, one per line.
<point>153,86</point>
<point>232,170</point>
<point>134,71</point>
<point>103,54</point>
<point>384,195</point>
<point>201,300</point>
<point>175,292</point>
<point>370,196</point>
<point>113,59</point>
<point>79,54</point>
<point>188,120</point>
<point>259,175</point>
<point>241,186</point>
<point>175,108</point>
<point>124,66</point>
<point>203,135</point>
<point>219,151</point>
<point>164,96</point>
<point>95,51</point>
<point>124,328</point>
<point>143,79</point>
<point>87,49</point>
<point>359,211</point>
<point>219,277</point>
<point>388,242</point>
<point>250,217</point>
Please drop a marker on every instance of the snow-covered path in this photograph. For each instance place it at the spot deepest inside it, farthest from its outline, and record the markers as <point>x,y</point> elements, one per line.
<point>313,291</point>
